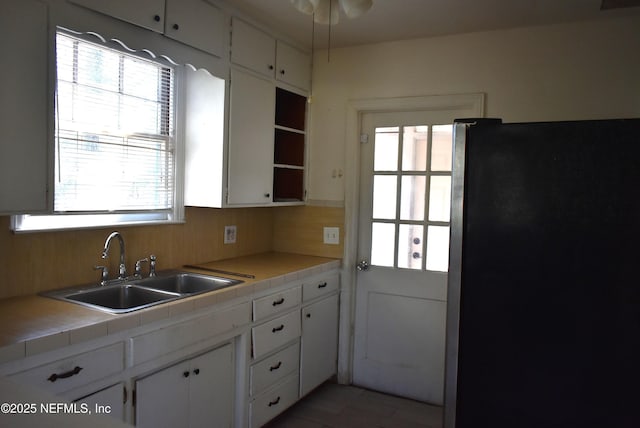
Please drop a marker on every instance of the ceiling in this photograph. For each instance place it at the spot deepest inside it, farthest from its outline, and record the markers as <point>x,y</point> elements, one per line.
<point>391,20</point>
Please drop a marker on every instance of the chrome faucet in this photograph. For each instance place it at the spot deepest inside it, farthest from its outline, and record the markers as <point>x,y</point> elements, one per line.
<point>122,270</point>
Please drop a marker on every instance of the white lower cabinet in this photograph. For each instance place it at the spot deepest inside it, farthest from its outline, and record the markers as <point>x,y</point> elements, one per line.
<point>319,343</point>
<point>271,403</point>
<point>109,401</point>
<point>194,393</point>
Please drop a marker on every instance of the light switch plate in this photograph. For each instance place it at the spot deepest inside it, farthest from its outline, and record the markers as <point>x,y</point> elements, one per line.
<point>332,235</point>
<point>230,234</point>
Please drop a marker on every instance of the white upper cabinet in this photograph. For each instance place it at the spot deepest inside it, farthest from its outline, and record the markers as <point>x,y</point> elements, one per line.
<point>250,162</point>
<point>254,49</point>
<point>25,104</point>
<point>198,24</point>
<point>144,13</point>
<point>292,66</point>
<point>195,23</point>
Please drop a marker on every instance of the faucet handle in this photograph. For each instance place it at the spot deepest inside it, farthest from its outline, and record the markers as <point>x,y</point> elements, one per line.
<point>138,268</point>
<point>152,265</point>
<point>105,274</point>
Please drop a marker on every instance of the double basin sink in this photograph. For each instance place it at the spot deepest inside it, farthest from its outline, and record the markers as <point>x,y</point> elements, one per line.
<point>131,295</point>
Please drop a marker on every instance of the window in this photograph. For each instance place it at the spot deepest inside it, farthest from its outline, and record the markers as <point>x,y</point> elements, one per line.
<point>115,139</point>
<point>411,197</point>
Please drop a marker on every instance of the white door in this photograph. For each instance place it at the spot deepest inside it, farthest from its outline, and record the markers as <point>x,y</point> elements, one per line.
<point>400,309</point>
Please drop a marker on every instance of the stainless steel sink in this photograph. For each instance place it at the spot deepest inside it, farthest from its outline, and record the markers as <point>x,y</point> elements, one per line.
<point>119,298</point>
<point>186,283</point>
<point>136,294</point>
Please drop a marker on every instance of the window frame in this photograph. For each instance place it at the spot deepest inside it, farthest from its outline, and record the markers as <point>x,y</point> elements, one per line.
<point>53,221</point>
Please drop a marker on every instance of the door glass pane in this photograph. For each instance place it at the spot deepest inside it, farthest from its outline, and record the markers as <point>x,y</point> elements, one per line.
<point>410,246</point>
<point>412,197</point>
<point>438,248</point>
<point>385,156</point>
<point>382,244</point>
<point>440,198</point>
<point>442,146</point>
<point>414,148</point>
<point>384,196</point>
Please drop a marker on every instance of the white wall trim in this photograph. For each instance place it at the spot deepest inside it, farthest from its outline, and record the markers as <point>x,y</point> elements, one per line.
<point>355,110</point>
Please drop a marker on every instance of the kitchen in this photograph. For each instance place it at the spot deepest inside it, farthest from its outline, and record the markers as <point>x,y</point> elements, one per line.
<point>579,70</point>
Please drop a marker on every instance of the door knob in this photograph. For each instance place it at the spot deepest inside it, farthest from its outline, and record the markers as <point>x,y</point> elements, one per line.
<point>362,265</point>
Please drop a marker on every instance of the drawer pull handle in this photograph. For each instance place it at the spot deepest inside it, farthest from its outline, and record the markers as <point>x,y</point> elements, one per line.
<point>54,377</point>
<point>279,328</point>
<point>276,367</point>
<point>274,402</point>
<point>278,302</point>
<point>324,284</point>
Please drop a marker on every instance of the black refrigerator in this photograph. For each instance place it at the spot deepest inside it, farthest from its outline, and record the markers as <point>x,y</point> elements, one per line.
<point>543,321</point>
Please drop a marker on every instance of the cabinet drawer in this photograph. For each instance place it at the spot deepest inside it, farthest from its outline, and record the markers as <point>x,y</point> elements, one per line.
<point>275,333</point>
<point>317,287</point>
<point>273,402</point>
<point>76,371</point>
<point>160,342</point>
<point>277,302</point>
<point>271,370</point>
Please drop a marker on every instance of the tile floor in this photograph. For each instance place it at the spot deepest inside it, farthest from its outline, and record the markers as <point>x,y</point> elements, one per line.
<point>339,406</point>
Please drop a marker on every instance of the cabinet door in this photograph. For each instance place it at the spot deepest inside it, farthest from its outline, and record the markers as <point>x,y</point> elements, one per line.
<point>25,105</point>
<point>212,389</point>
<point>145,13</point>
<point>109,401</point>
<point>198,24</point>
<point>319,348</point>
<point>252,48</point>
<point>293,66</point>
<point>250,164</point>
<point>162,399</point>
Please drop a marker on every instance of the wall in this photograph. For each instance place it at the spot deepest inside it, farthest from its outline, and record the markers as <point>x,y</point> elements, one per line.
<point>299,229</point>
<point>33,262</point>
<point>585,70</point>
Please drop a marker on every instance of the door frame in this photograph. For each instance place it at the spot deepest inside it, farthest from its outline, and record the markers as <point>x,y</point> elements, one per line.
<point>355,109</point>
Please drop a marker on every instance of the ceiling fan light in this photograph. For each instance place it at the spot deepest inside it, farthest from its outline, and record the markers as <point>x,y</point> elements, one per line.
<point>326,11</point>
<point>355,8</point>
<point>304,6</point>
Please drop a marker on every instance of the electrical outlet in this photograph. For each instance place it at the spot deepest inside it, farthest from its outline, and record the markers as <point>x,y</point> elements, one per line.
<point>230,233</point>
<point>332,235</point>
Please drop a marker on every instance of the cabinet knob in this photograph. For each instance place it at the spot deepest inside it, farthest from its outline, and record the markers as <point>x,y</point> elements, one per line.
<point>267,195</point>
<point>270,67</point>
<point>176,27</point>
<point>308,315</point>
<point>282,71</point>
<point>156,18</point>
<point>186,374</point>
<point>196,372</point>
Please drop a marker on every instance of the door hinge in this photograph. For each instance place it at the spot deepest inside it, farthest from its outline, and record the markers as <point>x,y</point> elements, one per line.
<point>364,138</point>
<point>133,397</point>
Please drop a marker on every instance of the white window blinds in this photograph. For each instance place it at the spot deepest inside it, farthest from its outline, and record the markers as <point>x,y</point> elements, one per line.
<point>115,140</point>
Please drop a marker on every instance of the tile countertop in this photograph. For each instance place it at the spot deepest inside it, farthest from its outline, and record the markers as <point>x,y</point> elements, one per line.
<point>31,325</point>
